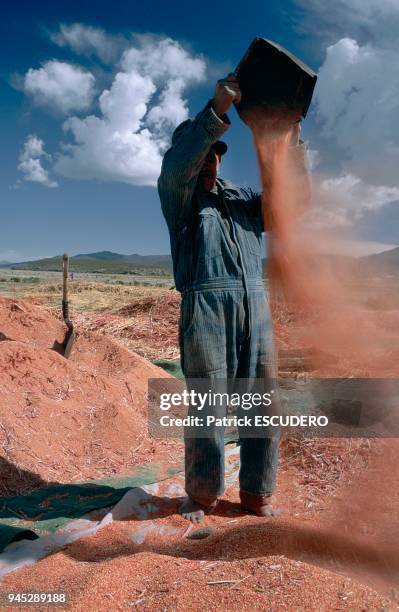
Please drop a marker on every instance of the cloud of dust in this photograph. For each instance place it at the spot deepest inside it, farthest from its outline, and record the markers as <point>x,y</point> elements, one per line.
<point>334,300</point>
<point>340,307</point>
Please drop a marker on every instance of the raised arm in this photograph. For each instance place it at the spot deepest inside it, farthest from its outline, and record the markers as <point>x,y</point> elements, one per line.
<point>190,144</point>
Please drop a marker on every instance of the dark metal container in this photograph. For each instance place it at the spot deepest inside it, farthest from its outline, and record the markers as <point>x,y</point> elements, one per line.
<point>273,80</point>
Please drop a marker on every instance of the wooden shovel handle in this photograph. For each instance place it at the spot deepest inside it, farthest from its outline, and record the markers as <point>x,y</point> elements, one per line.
<point>65,272</point>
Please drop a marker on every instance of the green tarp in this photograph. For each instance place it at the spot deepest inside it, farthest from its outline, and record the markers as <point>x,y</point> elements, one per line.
<point>171,366</point>
<point>46,510</point>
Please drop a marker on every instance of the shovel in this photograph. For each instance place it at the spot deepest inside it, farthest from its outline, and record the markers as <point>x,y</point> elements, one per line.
<point>70,334</point>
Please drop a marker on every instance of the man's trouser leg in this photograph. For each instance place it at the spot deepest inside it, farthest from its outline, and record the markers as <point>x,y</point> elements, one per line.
<point>215,346</point>
<point>257,360</point>
<point>208,343</point>
<point>204,456</point>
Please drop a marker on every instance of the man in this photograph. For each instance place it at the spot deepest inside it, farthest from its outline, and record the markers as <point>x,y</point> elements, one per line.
<point>225,325</point>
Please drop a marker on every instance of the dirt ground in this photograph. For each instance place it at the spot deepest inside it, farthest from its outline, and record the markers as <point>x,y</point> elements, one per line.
<point>333,547</point>
<point>309,558</point>
<point>66,420</point>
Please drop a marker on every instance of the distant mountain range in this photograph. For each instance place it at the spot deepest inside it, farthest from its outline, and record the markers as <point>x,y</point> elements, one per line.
<point>386,259</point>
<point>101,262</point>
<point>116,263</point>
<point>135,258</point>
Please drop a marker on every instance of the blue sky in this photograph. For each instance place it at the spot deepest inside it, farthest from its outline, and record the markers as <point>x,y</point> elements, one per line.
<point>75,65</point>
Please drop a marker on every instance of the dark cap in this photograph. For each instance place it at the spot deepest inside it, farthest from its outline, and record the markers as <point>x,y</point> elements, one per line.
<point>219,147</point>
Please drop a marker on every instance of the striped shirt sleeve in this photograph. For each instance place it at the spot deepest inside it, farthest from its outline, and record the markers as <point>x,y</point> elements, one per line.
<point>182,164</point>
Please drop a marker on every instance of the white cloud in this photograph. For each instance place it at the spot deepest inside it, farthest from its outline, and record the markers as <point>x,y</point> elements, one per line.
<point>171,108</point>
<point>144,103</point>
<point>88,41</point>
<point>343,200</point>
<point>60,86</point>
<point>365,20</point>
<point>33,147</point>
<point>358,87</point>
<point>162,58</point>
<point>30,162</point>
<point>357,102</point>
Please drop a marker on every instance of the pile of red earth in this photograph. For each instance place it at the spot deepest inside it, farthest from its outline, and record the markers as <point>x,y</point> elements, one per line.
<point>148,326</point>
<point>66,420</point>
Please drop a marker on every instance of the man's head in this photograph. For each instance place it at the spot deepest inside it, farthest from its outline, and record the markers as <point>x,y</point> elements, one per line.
<point>211,165</point>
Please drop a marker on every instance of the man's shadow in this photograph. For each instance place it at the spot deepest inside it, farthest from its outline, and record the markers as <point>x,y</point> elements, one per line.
<point>30,505</point>
<point>17,481</point>
<point>39,499</point>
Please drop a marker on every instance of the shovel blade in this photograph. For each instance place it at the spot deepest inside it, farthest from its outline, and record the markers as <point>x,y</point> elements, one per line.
<point>68,342</point>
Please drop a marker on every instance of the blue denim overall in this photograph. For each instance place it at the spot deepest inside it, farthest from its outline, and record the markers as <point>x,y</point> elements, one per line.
<point>225,324</point>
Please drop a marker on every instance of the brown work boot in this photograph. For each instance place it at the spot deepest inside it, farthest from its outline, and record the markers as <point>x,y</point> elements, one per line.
<point>257,504</point>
